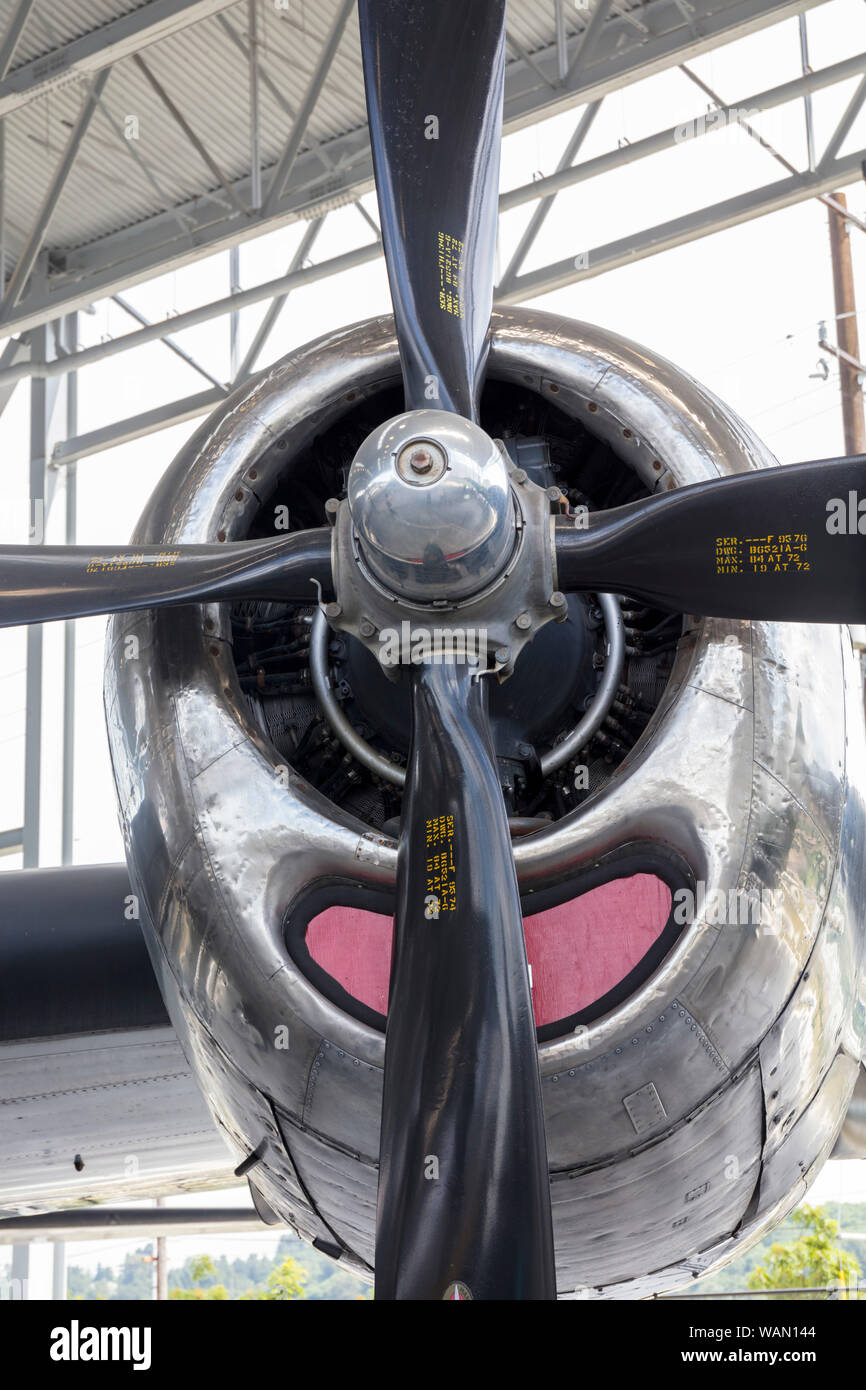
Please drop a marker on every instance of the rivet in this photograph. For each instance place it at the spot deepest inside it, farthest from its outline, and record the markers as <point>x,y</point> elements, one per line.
<point>592,407</point>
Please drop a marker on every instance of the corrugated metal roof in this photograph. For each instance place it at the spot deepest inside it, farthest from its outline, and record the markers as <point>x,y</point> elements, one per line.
<point>51,25</point>
<point>119,183</point>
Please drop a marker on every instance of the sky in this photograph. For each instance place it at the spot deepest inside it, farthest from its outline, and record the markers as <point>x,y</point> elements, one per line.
<point>740,310</point>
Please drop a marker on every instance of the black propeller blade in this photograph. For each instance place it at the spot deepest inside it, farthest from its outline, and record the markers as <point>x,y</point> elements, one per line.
<point>462,1093</point>
<point>434,73</point>
<point>41,583</point>
<point>464,1193</point>
<point>783,544</point>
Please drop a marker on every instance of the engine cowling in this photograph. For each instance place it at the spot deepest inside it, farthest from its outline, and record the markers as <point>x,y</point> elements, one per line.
<point>688,1116</point>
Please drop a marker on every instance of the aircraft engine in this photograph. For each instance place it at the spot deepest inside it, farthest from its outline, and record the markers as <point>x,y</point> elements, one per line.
<point>691,877</point>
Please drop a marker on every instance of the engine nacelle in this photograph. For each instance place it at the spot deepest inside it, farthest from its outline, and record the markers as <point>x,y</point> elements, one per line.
<point>690,1115</point>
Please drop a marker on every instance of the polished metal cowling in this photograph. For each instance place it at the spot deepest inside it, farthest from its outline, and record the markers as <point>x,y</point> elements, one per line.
<point>752,770</point>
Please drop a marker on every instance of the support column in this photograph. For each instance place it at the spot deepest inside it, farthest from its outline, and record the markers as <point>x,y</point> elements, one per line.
<point>58,1277</point>
<point>71,480</point>
<point>48,396</point>
<point>234,317</point>
<point>32,1268</point>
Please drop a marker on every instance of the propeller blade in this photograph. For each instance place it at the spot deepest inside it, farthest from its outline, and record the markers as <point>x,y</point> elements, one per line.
<point>433,71</point>
<point>784,544</point>
<point>41,583</point>
<point>464,1190</point>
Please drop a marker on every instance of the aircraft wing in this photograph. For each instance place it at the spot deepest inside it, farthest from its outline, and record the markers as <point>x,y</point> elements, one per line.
<point>97,1101</point>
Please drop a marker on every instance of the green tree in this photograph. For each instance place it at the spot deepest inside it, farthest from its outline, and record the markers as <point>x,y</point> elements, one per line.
<point>285,1281</point>
<point>202,1268</point>
<point>813,1260</point>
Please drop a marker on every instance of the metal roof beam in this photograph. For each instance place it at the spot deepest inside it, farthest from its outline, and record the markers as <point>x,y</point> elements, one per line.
<point>161,417</point>
<point>11,841</point>
<point>588,39</point>
<point>522,286</point>
<point>13,34</point>
<point>347,260</point>
<point>33,246</point>
<point>694,225</point>
<point>130,147</point>
<point>137,253</point>
<point>253,75</point>
<point>537,220</point>
<point>621,53</point>
<point>169,342</point>
<point>308,105</point>
<point>651,242</point>
<point>245,49</point>
<point>667,139</point>
<point>197,144</point>
<point>102,47</point>
<point>16,350</point>
<point>275,307</point>
<point>840,134</point>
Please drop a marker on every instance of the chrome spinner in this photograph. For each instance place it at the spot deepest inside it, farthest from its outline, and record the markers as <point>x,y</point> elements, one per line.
<point>441,543</point>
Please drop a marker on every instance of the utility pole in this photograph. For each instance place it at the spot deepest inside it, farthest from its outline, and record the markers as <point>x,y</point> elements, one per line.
<point>847,338</point>
<point>161,1261</point>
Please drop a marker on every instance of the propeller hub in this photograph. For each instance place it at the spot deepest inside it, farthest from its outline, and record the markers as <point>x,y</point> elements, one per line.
<point>431,506</point>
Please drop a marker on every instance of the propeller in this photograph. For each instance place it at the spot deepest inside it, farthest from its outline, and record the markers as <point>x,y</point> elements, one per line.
<point>783,543</point>
<point>463,1179</point>
<point>464,1192</point>
<point>42,583</point>
<point>433,73</point>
